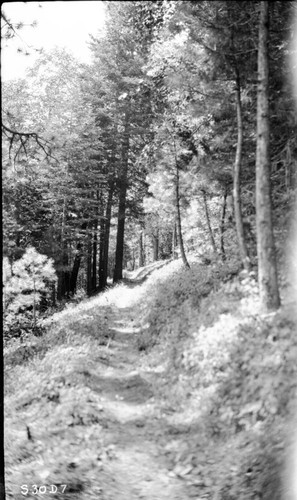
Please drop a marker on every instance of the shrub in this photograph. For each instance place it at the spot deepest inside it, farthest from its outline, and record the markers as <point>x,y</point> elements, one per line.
<point>26,283</point>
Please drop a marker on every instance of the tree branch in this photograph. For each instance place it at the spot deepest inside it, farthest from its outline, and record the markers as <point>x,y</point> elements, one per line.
<point>15,136</point>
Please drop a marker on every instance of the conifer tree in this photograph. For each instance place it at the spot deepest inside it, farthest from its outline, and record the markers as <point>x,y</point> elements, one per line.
<point>27,283</point>
<point>267,271</point>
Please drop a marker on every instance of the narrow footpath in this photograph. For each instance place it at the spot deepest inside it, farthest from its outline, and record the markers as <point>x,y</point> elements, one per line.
<point>89,409</point>
<point>136,433</point>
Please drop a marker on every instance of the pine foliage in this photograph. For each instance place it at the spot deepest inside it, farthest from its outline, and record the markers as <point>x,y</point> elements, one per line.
<point>27,282</point>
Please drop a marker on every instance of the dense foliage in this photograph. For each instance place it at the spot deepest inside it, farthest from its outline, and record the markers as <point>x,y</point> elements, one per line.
<point>151,149</point>
<point>167,168</point>
<point>26,288</point>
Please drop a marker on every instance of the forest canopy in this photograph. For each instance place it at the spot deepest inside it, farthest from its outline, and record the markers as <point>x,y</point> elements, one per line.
<point>149,257</point>
<point>157,149</point>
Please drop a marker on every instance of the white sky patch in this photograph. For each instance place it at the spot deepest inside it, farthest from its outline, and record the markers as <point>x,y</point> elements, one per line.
<point>62,24</point>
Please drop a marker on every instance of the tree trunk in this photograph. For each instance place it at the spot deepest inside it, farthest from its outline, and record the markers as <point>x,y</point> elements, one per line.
<point>174,241</point>
<point>178,220</point>
<point>104,239</point>
<point>76,264</point>
<point>107,233</point>
<point>102,281</point>
<point>75,269</point>
<point>237,174</point>
<point>2,455</point>
<point>59,285</point>
<point>63,288</point>
<point>89,263</point>
<point>118,270</point>
<point>222,226</point>
<point>267,271</point>
<point>210,231</point>
<point>140,250</point>
<point>133,260</point>
<point>94,257</point>
<point>63,284</point>
<point>34,305</point>
<point>53,295</point>
<point>155,238</point>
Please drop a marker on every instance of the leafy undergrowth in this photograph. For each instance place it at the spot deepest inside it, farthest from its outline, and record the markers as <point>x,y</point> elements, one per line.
<point>54,419</point>
<point>230,381</point>
<point>224,391</point>
<point>51,415</point>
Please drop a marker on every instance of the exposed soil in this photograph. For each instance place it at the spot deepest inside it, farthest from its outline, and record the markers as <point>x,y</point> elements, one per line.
<point>136,433</point>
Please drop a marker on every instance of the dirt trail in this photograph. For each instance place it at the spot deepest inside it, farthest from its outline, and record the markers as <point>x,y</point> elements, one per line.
<point>135,433</point>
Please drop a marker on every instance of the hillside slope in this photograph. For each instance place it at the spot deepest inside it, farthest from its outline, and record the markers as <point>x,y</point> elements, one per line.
<point>171,386</point>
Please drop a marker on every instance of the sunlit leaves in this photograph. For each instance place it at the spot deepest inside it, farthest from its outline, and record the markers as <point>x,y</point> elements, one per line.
<point>27,280</point>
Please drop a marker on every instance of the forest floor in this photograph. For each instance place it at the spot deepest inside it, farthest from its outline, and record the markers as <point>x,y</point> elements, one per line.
<point>101,406</point>
<point>121,414</point>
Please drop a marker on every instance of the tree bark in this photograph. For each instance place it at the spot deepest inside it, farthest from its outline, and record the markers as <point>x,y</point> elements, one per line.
<point>140,250</point>
<point>118,270</point>
<point>237,174</point>
<point>222,225</point>
<point>94,257</point>
<point>2,454</point>
<point>104,239</point>
<point>133,260</point>
<point>53,295</point>
<point>76,263</point>
<point>107,233</point>
<point>210,231</point>
<point>174,240</point>
<point>63,288</point>
<point>89,263</point>
<point>75,269</point>
<point>60,291</point>
<point>178,220</point>
<point>155,238</point>
<point>267,270</point>
<point>101,277</point>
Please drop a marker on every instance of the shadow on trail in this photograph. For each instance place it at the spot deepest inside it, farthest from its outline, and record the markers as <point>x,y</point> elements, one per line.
<point>142,276</point>
<point>136,466</point>
<point>132,388</point>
